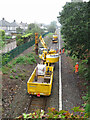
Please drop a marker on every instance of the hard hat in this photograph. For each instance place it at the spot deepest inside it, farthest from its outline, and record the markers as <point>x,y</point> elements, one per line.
<point>76,62</point>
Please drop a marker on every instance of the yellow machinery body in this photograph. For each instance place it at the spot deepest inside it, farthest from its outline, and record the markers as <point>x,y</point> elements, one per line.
<point>43,84</point>
<point>49,57</point>
<point>52,58</point>
<point>55,38</point>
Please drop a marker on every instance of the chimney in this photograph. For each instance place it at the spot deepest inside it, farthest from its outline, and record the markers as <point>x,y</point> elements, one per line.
<point>3,19</point>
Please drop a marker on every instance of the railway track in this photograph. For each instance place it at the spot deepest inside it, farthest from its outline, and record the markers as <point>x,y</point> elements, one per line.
<point>39,102</point>
<point>36,103</point>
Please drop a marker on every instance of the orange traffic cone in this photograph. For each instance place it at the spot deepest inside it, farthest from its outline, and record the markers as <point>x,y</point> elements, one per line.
<point>76,67</point>
<point>63,50</point>
<point>60,52</point>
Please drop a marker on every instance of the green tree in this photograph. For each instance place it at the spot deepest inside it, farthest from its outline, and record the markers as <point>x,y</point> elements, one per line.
<point>33,28</point>
<point>19,30</point>
<point>19,40</point>
<point>2,38</point>
<point>52,27</point>
<point>74,21</point>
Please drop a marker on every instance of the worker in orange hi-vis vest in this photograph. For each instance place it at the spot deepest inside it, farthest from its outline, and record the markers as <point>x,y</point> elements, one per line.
<point>76,67</point>
<point>57,50</point>
<point>63,50</point>
<point>60,52</point>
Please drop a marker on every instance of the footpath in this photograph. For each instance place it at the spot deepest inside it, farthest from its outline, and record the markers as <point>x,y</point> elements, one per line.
<point>71,93</point>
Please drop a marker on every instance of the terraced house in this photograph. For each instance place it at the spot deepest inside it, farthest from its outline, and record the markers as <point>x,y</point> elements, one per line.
<point>4,25</point>
<point>11,27</point>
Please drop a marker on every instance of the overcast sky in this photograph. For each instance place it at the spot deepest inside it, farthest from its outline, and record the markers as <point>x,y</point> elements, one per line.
<point>40,11</point>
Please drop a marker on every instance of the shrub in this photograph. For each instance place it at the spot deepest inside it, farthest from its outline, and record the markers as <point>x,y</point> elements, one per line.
<point>28,59</point>
<point>5,59</point>
<point>19,42</point>
<point>18,37</point>
<point>22,39</point>
<point>13,70</point>
<point>20,59</point>
<point>30,54</point>
<point>8,37</point>
<point>9,65</point>
<point>85,98</point>
<point>16,77</point>
<point>52,113</point>
<point>11,77</point>
<point>5,70</point>
<point>20,75</point>
<point>2,35</point>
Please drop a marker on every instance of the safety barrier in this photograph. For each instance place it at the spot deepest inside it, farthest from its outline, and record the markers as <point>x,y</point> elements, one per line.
<point>7,57</point>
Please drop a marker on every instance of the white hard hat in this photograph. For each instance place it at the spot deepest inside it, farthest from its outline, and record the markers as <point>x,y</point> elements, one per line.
<point>76,62</point>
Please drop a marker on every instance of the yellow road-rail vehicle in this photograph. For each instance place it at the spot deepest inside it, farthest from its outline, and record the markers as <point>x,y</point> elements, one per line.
<point>55,39</point>
<point>40,82</point>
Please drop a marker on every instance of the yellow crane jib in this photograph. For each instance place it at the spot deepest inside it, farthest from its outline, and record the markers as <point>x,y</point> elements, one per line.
<point>42,42</point>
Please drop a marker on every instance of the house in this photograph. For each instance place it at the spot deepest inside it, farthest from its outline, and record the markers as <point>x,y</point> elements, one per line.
<point>10,28</point>
<point>14,26</point>
<point>43,26</point>
<point>23,26</point>
<point>4,25</point>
